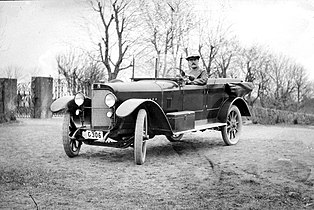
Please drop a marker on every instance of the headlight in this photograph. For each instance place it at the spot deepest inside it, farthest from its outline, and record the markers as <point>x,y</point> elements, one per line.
<point>109,114</point>
<point>79,99</point>
<point>110,100</point>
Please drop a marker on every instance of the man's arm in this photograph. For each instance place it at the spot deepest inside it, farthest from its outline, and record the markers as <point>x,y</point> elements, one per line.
<point>201,79</point>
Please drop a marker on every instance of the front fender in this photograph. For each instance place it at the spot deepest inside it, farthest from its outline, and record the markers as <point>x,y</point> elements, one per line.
<point>128,106</point>
<point>67,102</point>
<point>239,102</point>
<point>61,103</point>
<point>158,122</point>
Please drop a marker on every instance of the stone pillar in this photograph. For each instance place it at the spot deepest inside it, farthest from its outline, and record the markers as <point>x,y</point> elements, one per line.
<point>42,96</point>
<point>8,94</point>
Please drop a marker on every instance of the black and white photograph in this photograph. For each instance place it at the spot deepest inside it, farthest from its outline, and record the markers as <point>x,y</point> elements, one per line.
<point>157,104</point>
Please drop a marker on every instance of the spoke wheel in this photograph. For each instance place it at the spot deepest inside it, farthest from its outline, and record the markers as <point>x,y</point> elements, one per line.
<point>232,131</point>
<point>140,137</point>
<point>175,138</point>
<point>71,146</point>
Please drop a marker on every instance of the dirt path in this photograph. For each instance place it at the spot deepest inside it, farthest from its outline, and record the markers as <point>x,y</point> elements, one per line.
<point>271,168</point>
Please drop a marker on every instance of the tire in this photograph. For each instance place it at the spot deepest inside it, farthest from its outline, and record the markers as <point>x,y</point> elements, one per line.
<point>71,146</point>
<point>175,138</point>
<point>232,131</point>
<point>140,137</point>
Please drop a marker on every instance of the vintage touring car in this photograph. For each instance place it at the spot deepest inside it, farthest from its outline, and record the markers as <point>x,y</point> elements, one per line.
<point>128,114</point>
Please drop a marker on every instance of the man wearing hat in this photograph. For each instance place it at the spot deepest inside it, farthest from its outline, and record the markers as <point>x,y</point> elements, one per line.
<point>195,75</point>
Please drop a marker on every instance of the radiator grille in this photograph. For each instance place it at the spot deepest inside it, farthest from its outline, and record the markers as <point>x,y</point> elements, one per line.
<point>99,110</point>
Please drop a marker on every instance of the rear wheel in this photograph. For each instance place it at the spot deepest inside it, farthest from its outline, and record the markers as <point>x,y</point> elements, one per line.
<point>232,131</point>
<point>175,138</point>
<point>140,137</point>
<point>71,146</point>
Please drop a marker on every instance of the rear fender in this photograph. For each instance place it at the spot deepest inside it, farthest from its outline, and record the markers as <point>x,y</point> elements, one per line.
<point>158,122</point>
<point>239,102</point>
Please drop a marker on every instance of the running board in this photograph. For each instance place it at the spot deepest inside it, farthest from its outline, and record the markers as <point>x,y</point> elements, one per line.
<point>201,127</point>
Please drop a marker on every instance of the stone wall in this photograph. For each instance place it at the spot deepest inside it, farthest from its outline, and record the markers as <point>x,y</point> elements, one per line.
<point>8,88</point>
<point>42,96</point>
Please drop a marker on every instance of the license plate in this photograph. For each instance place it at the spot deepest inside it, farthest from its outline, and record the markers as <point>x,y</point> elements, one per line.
<point>93,134</point>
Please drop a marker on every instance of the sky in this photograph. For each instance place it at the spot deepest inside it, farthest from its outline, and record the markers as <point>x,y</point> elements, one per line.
<point>286,26</point>
<point>35,31</point>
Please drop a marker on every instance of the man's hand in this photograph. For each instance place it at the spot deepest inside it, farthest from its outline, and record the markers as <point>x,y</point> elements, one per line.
<point>191,77</point>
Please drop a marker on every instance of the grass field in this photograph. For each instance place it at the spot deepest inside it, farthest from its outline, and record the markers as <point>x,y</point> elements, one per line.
<point>270,168</point>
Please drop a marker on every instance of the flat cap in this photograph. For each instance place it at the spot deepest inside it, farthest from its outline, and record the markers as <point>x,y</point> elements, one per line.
<point>192,57</point>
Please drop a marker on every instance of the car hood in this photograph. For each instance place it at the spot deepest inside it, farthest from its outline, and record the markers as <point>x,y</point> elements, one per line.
<point>138,86</point>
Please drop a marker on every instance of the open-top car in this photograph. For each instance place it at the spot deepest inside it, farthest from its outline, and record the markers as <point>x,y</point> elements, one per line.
<point>128,114</point>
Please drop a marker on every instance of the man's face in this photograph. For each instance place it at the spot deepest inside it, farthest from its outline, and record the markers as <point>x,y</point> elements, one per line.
<point>193,63</point>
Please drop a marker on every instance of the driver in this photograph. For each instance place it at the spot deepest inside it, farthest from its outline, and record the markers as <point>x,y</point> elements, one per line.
<point>195,75</point>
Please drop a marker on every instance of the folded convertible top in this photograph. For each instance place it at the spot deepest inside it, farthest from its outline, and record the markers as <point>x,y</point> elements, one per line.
<point>238,89</point>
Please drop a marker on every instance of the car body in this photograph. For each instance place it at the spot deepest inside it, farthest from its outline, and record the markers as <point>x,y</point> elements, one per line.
<point>124,114</point>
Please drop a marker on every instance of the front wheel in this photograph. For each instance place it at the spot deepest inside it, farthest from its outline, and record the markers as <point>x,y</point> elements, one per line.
<point>140,137</point>
<point>232,131</point>
<point>71,146</point>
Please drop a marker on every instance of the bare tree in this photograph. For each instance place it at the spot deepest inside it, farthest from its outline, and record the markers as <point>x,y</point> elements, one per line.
<point>254,63</point>
<point>167,26</point>
<point>212,40</point>
<point>79,70</point>
<point>279,81</point>
<point>289,87</point>
<point>263,83</point>
<point>288,83</point>
<point>92,73</point>
<point>116,18</point>
<point>68,66</point>
<point>282,84</point>
<point>226,56</point>
<point>13,72</point>
<point>301,83</point>
<point>307,101</point>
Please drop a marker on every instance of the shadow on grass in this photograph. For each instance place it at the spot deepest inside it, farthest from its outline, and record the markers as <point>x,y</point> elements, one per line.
<point>157,149</point>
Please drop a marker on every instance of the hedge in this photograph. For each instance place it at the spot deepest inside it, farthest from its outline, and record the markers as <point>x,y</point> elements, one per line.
<point>271,116</point>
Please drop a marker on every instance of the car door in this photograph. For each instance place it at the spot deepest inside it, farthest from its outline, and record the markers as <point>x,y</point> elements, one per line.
<point>194,100</point>
<point>172,100</point>
<point>215,95</point>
